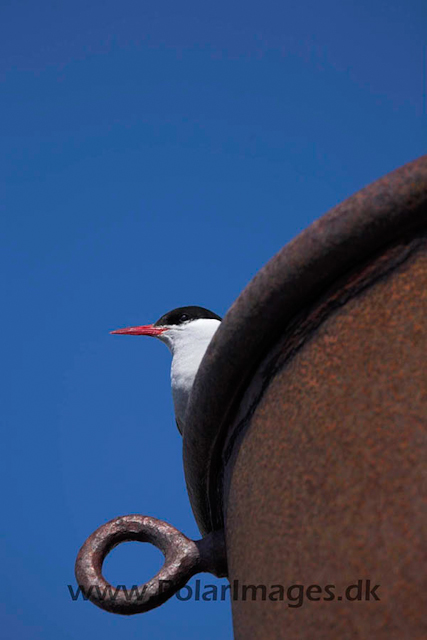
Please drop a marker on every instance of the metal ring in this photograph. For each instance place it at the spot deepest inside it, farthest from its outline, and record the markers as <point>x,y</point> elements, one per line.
<point>183,558</point>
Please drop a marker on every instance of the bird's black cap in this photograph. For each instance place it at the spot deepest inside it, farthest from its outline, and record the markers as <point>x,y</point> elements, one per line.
<point>185,314</point>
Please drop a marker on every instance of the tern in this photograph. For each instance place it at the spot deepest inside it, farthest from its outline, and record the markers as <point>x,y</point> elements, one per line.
<point>186,331</point>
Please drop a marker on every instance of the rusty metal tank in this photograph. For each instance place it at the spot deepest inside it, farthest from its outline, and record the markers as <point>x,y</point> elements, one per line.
<point>305,447</point>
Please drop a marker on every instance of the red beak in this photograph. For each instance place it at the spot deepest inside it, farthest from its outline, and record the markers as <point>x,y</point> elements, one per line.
<point>144,330</point>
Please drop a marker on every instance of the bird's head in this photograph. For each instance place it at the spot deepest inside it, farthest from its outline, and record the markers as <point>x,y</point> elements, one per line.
<point>182,326</point>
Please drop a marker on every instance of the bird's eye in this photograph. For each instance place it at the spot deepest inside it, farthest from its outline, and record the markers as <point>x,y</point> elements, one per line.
<point>183,317</point>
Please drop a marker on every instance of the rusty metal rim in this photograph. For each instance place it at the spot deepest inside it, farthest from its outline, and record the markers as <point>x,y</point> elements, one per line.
<point>336,243</point>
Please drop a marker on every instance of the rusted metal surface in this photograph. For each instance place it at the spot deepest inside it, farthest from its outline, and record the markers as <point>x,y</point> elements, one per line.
<point>326,483</point>
<point>305,432</point>
<point>351,234</point>
<point>183,558</point>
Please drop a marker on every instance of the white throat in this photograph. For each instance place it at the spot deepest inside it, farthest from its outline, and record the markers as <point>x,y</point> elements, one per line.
<point>188,343</point>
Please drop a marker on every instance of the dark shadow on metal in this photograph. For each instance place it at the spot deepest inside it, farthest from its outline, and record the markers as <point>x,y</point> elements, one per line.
<point>183,559</point>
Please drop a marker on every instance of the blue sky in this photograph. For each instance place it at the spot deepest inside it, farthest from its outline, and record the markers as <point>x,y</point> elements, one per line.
<point>156,155</point>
